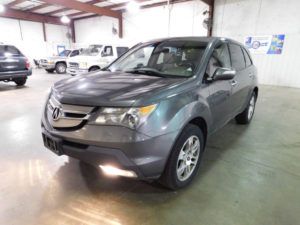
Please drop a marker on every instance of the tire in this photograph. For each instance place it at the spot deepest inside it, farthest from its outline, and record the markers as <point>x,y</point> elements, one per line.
<point>94,69</point>
<point>20,81</point>
<point>60,68</point>
<point>246,116</point>
<point>50,70</point>
<point>176,174</point>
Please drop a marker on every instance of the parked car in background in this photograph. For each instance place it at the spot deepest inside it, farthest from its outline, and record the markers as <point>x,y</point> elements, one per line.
<point>94,58</point>
<point>58,63</point>
<point>149,113</point>
<point>14,66</point>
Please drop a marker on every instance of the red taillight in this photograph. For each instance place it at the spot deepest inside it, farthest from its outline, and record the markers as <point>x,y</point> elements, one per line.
<point>27,63</point>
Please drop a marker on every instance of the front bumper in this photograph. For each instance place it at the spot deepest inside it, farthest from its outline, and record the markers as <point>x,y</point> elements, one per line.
<point>76,71</point>
<point>48,66</point>
<point>117,146</point>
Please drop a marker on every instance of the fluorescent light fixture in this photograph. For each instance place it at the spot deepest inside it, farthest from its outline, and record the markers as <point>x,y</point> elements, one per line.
<point>114,171</point>
<point>65,19</point>
<point>132,7</point>
<point>2,8</point>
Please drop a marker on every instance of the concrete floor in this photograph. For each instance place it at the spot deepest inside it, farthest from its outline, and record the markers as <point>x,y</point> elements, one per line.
<point>249,174</point>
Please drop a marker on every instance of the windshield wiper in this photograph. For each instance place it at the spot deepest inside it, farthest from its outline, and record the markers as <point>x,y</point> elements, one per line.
<point>146,71</point>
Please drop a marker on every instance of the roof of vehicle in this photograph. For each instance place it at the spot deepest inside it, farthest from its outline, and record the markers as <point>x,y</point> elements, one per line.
<point>193,38</point>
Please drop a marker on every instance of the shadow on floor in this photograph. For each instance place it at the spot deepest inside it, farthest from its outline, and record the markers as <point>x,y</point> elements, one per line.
<point>97,183</point>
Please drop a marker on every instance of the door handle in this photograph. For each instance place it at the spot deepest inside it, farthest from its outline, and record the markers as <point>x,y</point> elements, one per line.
<point>234,82</point>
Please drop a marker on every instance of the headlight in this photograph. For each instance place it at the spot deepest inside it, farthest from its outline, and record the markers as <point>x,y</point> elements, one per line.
<point>83,64</point>
<point>128,117</point>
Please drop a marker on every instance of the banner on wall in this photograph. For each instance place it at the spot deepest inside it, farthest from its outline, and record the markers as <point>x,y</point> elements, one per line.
<point>268,44</point>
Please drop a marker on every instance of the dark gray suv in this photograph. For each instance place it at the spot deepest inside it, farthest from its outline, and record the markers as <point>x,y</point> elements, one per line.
<point>149,113</point>
<point>14,66</point>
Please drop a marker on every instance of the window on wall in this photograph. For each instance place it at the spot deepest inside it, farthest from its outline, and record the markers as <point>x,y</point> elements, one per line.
<point>237,57</point>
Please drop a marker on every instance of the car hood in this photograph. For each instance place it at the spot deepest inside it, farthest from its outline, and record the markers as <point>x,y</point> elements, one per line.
<point>56,57</point>
<point>113,89</point>
<point>82,58</point>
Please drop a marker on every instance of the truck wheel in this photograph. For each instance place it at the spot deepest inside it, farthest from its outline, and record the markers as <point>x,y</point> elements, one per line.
<point>50,70</point>
<point>60,68</point>
<point>185,158</point>
<point>94,68</point>
<point>20,81</point>
<point>246,116</point>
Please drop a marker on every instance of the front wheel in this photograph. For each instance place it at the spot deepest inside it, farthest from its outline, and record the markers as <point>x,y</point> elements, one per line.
<point>246,116</point>
<point>60,68</point>
<point>185,158</point>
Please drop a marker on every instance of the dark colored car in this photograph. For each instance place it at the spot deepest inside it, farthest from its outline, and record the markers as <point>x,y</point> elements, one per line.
<point>149,113</point>
<point>14,66</point>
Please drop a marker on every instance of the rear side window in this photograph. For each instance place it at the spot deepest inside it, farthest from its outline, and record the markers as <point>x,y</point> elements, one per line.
<point>247,58</point>
<point>9,50</point>
<point>237,57</point>
<point>121,50</point>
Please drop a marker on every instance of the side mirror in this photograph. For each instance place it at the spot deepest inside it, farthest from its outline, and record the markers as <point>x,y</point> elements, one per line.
<point>223,74</point>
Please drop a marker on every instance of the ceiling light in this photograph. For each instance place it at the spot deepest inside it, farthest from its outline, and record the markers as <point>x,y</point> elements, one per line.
<point>132,7</point>
<point>2,8</point>
<point>65,19</point>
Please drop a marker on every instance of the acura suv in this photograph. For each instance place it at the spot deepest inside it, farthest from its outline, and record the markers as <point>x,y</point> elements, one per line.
<point>14,66</point>
<point>149,113</point>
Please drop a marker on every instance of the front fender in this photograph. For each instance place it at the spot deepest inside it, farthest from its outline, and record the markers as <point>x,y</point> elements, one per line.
<point>174,113</point>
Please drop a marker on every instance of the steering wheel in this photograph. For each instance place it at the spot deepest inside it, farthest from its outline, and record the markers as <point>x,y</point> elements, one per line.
<point>187,65</point>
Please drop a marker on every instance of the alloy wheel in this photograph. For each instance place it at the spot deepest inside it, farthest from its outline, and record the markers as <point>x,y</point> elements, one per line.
<point>188,158</point>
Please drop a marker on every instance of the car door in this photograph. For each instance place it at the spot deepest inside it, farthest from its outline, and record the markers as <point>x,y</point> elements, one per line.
<point>219,90</point>
<point>107,55</point>
<point>240,83</point>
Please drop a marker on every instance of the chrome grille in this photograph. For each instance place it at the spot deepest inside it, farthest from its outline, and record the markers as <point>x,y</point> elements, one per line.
<point>74,65</point>
<point>66,116</point>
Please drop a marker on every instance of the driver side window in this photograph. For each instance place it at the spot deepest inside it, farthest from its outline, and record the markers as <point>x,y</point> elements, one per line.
<point>108,51</point>
<point>219,58</point>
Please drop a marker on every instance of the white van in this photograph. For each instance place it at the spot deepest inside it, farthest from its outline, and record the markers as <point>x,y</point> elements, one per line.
<point>94,58</point>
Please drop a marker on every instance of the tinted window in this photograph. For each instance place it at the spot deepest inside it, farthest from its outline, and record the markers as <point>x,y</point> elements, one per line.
<point>220,58</point>
<point>74,53</point>
<point>108,51</point>
<point>9,50</point>
<point>247,58</point>
<point>121,50</point>
<point>237,57</point>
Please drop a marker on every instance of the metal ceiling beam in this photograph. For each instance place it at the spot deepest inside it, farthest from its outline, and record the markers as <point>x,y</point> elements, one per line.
<point>39,7</point>
<point>14,3</point>
<point>17,14</point>
<point>72,4</point>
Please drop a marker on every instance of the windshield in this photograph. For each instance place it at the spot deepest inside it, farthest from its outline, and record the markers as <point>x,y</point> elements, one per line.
<point>91,51</point>
<point>65,53</point>
<point>170,58</point>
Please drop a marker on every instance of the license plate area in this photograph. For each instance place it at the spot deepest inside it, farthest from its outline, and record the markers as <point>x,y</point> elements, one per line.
<point>51,144</point>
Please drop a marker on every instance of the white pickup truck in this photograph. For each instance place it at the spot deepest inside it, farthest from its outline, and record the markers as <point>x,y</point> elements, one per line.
<point>94,58</point>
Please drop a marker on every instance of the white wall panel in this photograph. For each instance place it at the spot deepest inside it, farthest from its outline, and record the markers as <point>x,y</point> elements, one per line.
<point>238,19</point>
<point>29,38</point>
<point>185,20</point>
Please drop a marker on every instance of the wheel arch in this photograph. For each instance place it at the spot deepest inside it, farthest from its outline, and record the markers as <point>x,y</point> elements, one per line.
<point>98,67</point>
<point>64,62</point>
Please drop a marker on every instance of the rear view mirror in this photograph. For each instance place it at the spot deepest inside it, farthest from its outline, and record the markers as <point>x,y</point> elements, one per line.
<point>224,74</point>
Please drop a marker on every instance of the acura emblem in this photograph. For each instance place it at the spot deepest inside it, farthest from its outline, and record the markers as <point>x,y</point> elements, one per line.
<point>56,113</point>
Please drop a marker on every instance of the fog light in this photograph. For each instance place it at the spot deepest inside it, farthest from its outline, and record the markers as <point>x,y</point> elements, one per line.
<point>113,171</point>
